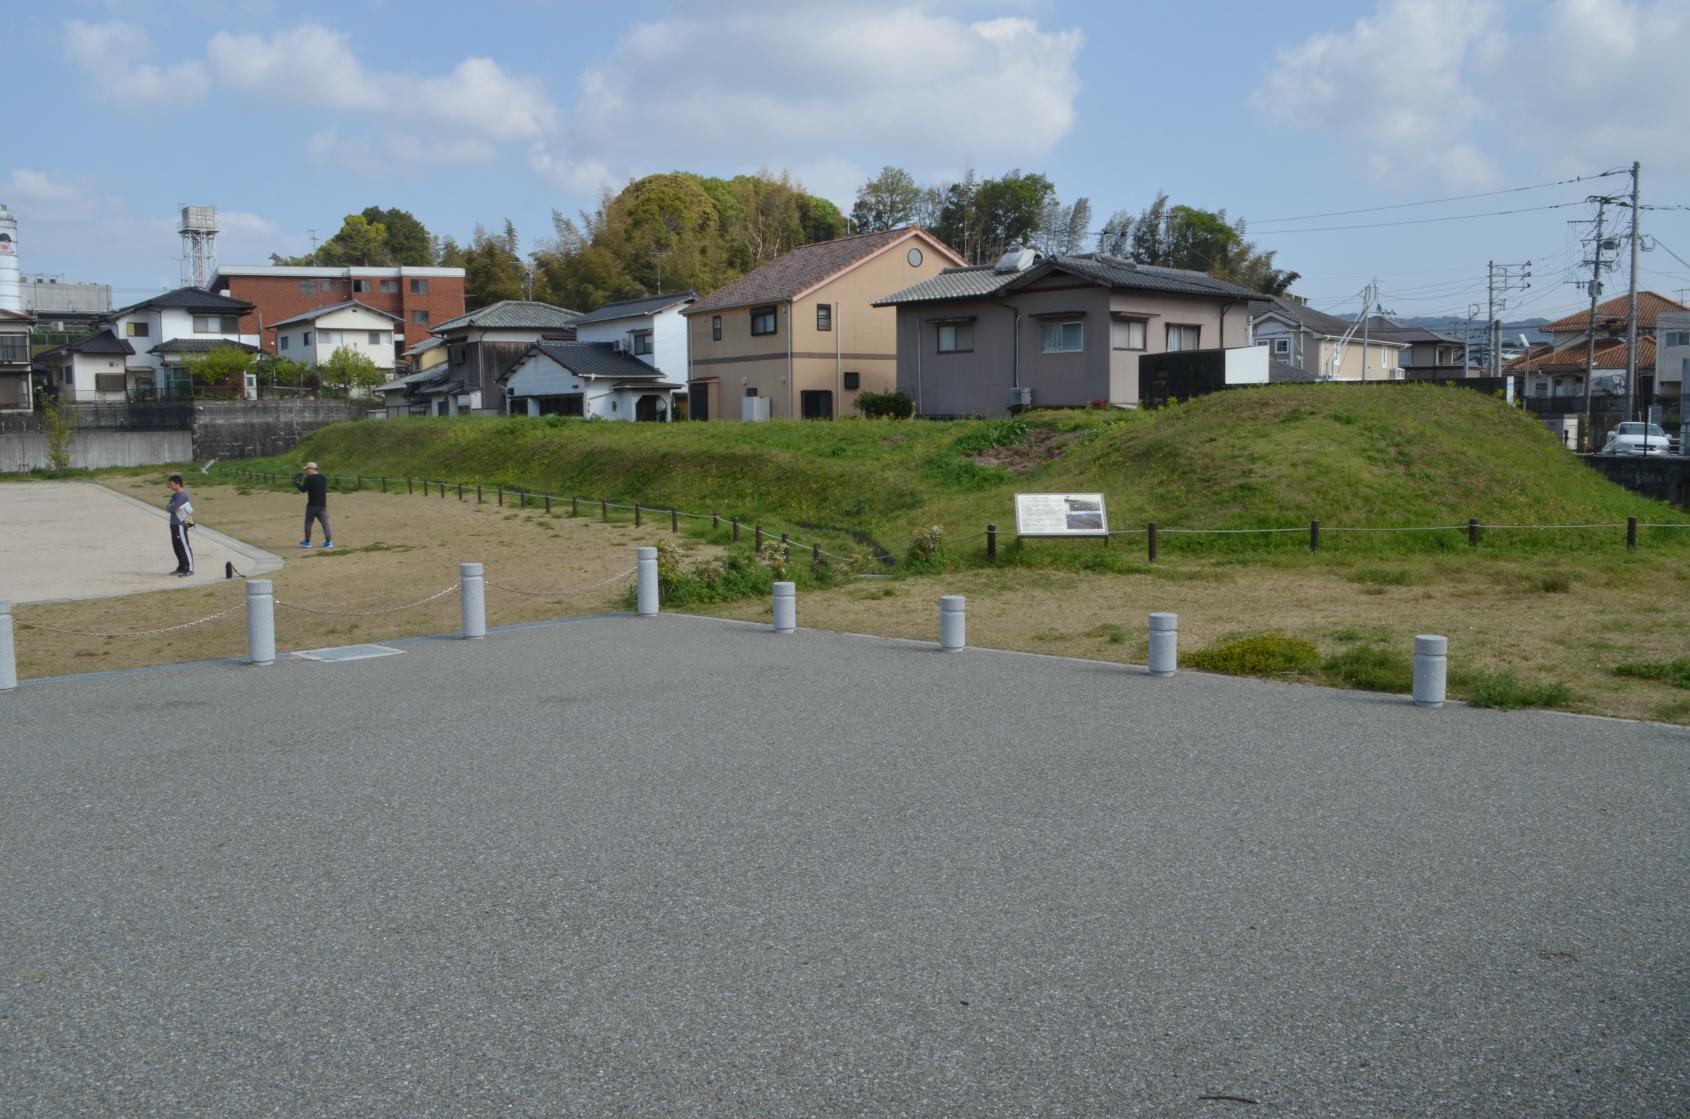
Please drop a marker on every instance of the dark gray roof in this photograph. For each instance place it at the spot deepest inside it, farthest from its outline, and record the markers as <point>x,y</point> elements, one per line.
<point>200,346</point>
<point>645,305</point>
<point>1318,321</point>
<point>973,282</point>
<point>104,342</point>
<point>800,270</point>
<point>512,314</point>
<point>318,312</point>
<point>1388,329</point>
<point>1281,372</point>
<point>191,299</point>
<point>594,359</point>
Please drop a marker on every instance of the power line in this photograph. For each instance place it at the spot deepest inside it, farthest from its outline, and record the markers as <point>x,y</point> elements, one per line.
<point>1424,221</point>
<point>1438,201</point>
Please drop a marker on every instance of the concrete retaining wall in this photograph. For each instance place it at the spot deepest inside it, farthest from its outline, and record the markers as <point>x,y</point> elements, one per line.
<point>1663,477</point>
<point>255,428</point>
<point>21,452</point>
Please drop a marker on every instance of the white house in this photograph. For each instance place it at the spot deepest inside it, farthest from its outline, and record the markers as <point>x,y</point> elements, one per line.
<point>169,330</point>
<point>313,337</point>
<point>649,328</point>
<point>589,379</point>
<point>91,369</point>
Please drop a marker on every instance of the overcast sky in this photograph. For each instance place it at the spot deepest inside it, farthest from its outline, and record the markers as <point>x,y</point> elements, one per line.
<point>288,116</point>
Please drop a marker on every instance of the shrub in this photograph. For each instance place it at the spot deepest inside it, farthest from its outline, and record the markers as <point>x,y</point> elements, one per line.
<point>1502,690</point>
<point>927,550</point>
<point>885,405</point>
<point>1006,432</point>
<point>1371,669</point>
<point>1675,672</point>
<point>1266,654</point>
<point>773,556</point>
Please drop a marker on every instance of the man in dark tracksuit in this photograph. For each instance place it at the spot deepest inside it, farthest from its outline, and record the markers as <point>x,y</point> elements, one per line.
<point>315,487</point>
<point>180,509</point>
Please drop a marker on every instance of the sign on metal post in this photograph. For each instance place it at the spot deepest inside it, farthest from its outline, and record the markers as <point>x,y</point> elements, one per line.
<point>1060,514</point>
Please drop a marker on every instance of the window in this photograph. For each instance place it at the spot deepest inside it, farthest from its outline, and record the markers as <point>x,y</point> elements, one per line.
<point>360,285</point>
<point>1127,334</point>
<point>852,380</point>
<point>642,342</point>
<point>815,404</point>
<point>331,337</point>
<point>14,347</point>
<point>1281,347</point>
<point>824,316</point>
<point>420,317</point>
<point>715,328</point>
<point>217,324</point>
<point>1064,337</point>
<point>282,343</point>
<point>419,287</point>
<point>390,286</point>
<point>762,320</point>
<point>135,329</point>
<point>1678,338</point>
<point>308,287</point>
<point>1183,337</point>
<point>326,285</point>
<point>956,337</point>
<point>305,340</point>
<point>375,338</point>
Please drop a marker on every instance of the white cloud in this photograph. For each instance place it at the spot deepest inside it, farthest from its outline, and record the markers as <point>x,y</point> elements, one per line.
<point>51,198</point>
<point>752,85</point>
<point>1442,91</point>
<point>109,54</point>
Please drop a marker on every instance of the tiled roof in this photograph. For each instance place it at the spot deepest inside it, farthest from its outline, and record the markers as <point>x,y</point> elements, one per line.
<point>972,282</point>
<point>1317,321</point>
<point>104,342</point>
<point>1379,326</point>
<point>597,359</point>
<point>1281,372</point>
<point>191,299</point>
<point>1610,354</point>
<point>200,346</point>
<point>645,305</point>
<point>424,346</point>
<point>1114,272</point>
<point>316,313</point>
<point>512,314</point>
<point>801,269</point>
<point>1649,305</point>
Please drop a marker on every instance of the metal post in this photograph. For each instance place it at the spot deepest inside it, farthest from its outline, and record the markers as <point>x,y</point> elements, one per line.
<point>1314,536</point>
<point>645,567</point>
<point>1431,669</point>
<point>8,649</point>
<point>953,623</point>
<point>991,543</point>
<point>786,607</point>
<point>1472,532</point>
<point>473,594</point>
<point>1150,537</point>
<point>260,622</point>
<point>1164,644</point>
<point>1631,531</point>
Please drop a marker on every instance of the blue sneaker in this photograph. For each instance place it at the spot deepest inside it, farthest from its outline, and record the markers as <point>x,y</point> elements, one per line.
<point>327,544</point>
<point>305,543</point>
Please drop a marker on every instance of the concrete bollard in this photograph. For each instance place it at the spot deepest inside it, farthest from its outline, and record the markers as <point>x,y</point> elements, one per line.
<point>8,650</point>
<point>1164,644</point>
<point>1431,669</point>
<point>953,623</point>
<point>645,569</point>
<point>260,622</point>
<point>786,607</point>
<point>472,593</point>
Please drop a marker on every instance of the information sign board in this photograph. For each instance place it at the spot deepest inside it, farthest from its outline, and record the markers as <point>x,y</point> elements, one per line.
<point>1060,514</point>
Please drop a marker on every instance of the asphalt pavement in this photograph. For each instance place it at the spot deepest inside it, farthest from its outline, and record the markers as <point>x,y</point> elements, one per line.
<point>681,866</point>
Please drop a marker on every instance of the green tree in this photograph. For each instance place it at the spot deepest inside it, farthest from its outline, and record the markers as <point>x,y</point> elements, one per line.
<point>887,201</point>
<point>220,365</point>
<point>1201,240</point>
<point>493,270</point>
<point>346,370</point>
<point>59,426</point>
<point>820,219</point>
<point>277,371</point>
<point>359,241</point>
<point>407,241</point>
<point>983,219</point>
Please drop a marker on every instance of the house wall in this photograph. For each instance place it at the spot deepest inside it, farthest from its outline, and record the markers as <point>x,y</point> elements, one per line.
<point>15,395</point>
<point>355,324</point>
<point>1672,362</point>
<point>276,296</point>
<point>668,340</point>
<point>164,324</point>
<point>1383,362</point>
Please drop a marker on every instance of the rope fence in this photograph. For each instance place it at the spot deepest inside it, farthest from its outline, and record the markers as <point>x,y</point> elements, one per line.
<point>614,579</point>
<point>130,632</point>
<point>366,613</point>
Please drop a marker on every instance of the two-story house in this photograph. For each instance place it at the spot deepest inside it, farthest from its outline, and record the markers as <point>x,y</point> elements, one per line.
<point>1430,355</point>
<point>1672,369</point>
<point>1554,374</point>
<point>650,328</point>
<point>170,330</point>
<point>15,388</point>
<point>89,370</point>
<point>313,336</point>
<point>482,346</point>
<point>801,336</point>
<point>420,298</point>
<point>1053,332</point>
<point>1330,348</point>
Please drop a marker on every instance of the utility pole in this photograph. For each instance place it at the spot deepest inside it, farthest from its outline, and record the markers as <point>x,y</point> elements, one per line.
<point>1590,343</point>
<point>1498,288</point>
<point>1467,341</point>
<point>1490,314</point>
<point>1367,301</point>
<point>1631,315</point>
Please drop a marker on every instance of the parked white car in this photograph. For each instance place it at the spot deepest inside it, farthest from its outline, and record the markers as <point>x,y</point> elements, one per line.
<point>1636,438</point>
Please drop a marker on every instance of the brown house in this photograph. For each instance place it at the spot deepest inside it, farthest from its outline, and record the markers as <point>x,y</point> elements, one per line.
<point>801,336</point>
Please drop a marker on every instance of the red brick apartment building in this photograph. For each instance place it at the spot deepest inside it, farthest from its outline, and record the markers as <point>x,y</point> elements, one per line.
<point>421,297</point>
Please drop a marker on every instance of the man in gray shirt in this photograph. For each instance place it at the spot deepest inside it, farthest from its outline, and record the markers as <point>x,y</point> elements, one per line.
<point>181,516</point>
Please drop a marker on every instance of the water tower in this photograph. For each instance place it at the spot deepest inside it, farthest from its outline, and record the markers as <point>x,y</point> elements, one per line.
<point>11,280</point>
<point>199,245</point>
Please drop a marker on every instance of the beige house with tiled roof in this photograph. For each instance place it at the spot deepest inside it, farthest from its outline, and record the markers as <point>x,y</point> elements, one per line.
<point>1556,371</point>
<point>800,336</point>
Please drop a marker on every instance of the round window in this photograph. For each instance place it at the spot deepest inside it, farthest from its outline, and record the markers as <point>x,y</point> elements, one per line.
<point>914,258</point>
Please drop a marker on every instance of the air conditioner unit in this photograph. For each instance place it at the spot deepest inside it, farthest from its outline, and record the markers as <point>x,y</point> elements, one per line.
<point>1021,397</point>
<point>618,345</point>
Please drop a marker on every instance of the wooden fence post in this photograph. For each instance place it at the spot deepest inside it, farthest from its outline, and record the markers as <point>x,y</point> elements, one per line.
<point>1472,532</point>
<point>1631,534</point>
<point>991,543</point>
<point>1314,536</point>
<point>1150,536</point>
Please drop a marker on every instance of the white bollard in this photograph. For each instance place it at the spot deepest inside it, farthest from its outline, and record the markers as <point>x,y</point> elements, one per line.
<point>1164,644</point>
<point>260,622</point>
<point>8,651</point>
<point>953,623</point>
<point>1431,669</point>
<point>472,588</point>
<point>786,607</point>
<point>645,581</point>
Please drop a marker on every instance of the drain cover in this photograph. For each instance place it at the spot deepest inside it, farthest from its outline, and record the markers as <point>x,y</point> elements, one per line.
<point>349,653</point>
